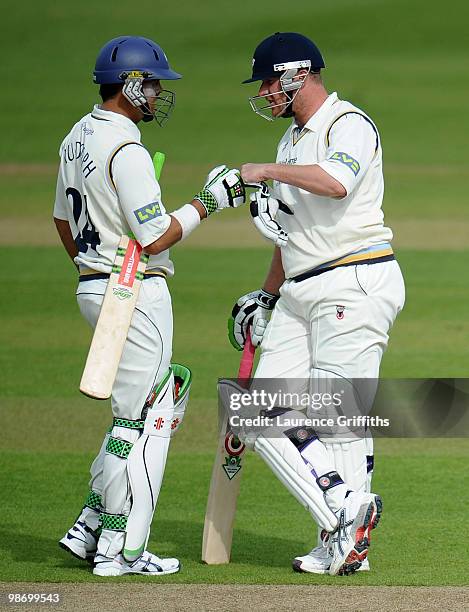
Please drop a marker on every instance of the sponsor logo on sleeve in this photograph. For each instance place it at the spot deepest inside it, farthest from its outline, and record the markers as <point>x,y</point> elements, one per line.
<point>148,212</point>
<point>348,161</point>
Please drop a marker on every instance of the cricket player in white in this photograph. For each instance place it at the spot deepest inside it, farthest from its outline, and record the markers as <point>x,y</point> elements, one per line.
<point>106,188</point>
<point>334,287</point>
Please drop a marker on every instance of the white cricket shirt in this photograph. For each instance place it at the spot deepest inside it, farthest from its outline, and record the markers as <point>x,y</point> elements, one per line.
<point>344,142</point>
<point>107,187</point>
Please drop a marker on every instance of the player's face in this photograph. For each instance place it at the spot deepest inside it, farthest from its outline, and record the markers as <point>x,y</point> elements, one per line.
<point>151,89</point>
<point>272,89</point>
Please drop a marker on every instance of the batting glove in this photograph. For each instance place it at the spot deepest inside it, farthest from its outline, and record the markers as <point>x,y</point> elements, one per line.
<point>263,211</point>
<point>253,309</point>
<point>224,189</point>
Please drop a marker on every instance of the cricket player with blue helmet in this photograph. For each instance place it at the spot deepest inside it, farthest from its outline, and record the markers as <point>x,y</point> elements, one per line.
<point>107,188</point>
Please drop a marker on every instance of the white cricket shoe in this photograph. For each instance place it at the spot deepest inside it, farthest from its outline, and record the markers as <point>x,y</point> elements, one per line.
<point>349,543</point>
<point>147,563</point>
<point>318,561</point>
<point>81,541</point>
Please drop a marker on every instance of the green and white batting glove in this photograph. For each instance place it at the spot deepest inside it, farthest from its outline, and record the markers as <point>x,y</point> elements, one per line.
<point>253,309</point>
<point>224,188</point>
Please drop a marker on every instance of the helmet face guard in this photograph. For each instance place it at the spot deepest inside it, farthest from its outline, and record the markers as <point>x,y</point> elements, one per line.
<point>143,94</point>
<point>165,102</point>
<point>136,63</point>
<point>289,86</point>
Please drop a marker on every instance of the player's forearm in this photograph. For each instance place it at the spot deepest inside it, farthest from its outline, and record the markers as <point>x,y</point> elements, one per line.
<point>65,234</point>
<point>276,275</point>
<point>312,178</point>
<point>174,233</point>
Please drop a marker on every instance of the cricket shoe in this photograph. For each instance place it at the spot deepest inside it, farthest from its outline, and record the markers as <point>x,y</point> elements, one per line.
<point>349,543</point>
<point>81,541</point>
<point>318,561</point>
<point>147,563</point>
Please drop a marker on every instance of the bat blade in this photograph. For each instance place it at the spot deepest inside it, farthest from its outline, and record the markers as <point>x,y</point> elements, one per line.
<point>114,320</point>
<point>226,480</point>
<point>116,313</point>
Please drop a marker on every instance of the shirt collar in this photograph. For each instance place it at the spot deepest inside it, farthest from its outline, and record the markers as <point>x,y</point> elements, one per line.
<point>316,120</point>
<point>105,115</point>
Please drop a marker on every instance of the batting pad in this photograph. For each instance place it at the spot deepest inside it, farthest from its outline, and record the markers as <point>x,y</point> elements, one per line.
<point>145,468</point>
<point>288,465</point>
<point>182,387</point>
<point>349,459</point>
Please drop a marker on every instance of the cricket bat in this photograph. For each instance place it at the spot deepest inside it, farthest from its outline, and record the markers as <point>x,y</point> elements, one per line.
<point>116,313</point>
<point>226,478</point>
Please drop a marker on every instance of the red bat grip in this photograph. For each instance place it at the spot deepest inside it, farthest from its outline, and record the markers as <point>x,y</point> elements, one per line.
<point>247,359</point>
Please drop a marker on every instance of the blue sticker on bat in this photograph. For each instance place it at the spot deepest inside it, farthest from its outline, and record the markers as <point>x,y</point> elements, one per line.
<point>345,159</point>
<point>148,212</point>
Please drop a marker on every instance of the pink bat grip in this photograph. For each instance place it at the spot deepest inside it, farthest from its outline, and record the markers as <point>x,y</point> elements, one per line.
<point>247,359</point>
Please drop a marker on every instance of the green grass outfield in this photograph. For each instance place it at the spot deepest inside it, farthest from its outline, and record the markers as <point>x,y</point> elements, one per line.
<point>405,63</point>
<point>50,432</point>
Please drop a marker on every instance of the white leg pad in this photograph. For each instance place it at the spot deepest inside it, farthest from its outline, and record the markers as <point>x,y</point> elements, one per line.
<point>145,468</point>
<point>96,469</point>
<point>116,494</point>
<point>183,381</point>
<point>287,464</point>
<point>349,459</point>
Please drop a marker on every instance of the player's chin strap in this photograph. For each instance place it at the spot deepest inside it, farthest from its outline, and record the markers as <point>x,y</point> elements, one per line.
<point>137,93</point>
<point>290,86</point>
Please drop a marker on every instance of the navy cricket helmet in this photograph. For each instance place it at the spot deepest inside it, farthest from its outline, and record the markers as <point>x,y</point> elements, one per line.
<point>279,49</point>
<point>125,54</point>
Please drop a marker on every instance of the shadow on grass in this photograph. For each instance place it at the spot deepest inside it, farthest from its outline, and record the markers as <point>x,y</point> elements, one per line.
<point>185,539</point>
<point>169,537</point>
<point>32,548</point>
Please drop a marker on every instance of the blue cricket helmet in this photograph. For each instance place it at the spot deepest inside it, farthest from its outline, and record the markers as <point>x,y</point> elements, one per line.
<point>281,48</point>
<point>125,54</point>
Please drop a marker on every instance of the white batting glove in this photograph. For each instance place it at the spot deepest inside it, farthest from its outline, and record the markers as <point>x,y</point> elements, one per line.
<point>263,209</point>
<point>214,173</point>
<point>254,310</point>
<point>224,189</point>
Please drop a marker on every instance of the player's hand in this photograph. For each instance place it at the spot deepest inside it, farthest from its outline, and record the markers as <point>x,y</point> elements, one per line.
<point>263,211</point>
<point>253,309</point>
<point>224,188</point>
<point>253,173</point>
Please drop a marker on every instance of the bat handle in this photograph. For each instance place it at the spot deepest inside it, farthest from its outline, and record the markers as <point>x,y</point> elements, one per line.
<point>247,359</point>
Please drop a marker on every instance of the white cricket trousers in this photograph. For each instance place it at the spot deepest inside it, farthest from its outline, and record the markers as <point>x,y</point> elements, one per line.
<point>336,322</point>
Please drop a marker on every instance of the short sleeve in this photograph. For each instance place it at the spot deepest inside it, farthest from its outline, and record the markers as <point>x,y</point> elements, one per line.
<point>60,205</point>
<point>139,193</point>
<point>353,142</point>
